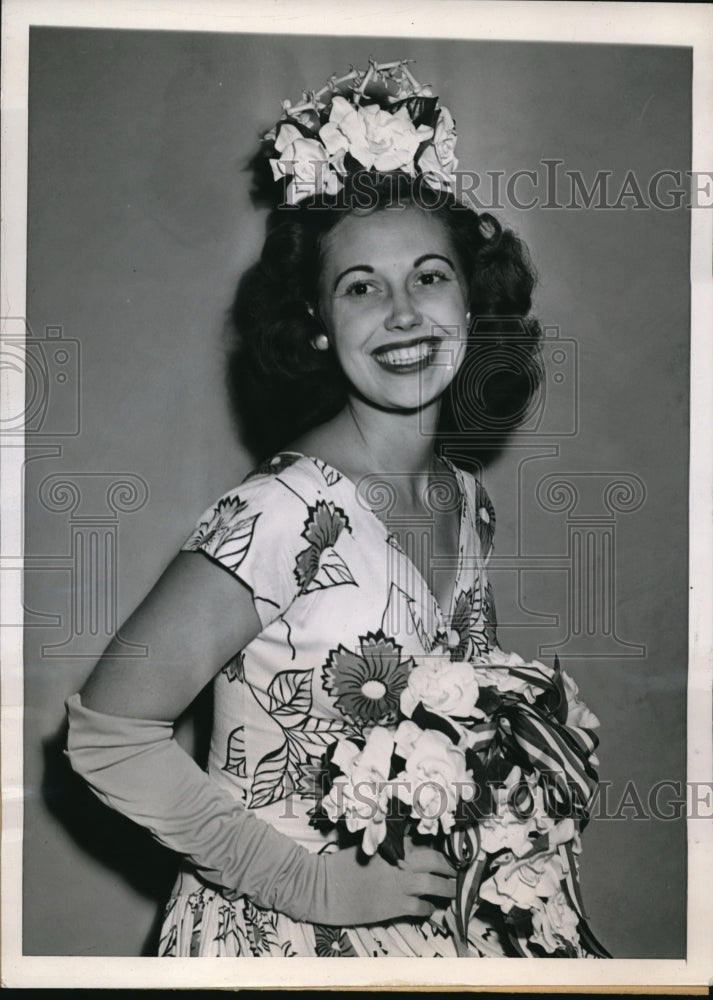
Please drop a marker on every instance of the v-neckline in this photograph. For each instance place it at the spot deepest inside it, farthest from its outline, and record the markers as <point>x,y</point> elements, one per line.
<point>392,540</point>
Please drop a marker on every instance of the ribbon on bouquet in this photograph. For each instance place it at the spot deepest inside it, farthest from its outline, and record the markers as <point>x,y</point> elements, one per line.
<point>462,848</point>
<point>560,753</point>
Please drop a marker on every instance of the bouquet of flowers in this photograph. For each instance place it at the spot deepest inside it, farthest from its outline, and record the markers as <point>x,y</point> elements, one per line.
<point>492,761</point>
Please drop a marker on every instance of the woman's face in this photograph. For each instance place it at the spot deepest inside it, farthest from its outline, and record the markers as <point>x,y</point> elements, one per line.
<point>393,301</point>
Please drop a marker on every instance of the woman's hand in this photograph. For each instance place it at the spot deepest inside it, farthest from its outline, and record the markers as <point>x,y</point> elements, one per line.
<point>371,891</point>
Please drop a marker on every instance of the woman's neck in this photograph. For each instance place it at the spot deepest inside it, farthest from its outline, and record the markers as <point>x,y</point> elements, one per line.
<point>362,440</point>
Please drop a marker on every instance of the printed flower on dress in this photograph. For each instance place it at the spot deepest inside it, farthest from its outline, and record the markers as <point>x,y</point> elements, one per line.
<point>466,609</point>
<point>209,534</point>
<point>484,518</point>
<point>311,781</point>
<point>367,686</point>
<point>262,929</point>
<point>319,566</point>
<point>226,537</point>
<point>332,942</point>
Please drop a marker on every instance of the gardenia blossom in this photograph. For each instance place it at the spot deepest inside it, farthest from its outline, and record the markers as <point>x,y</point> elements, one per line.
<point>443,686</point>
<point>524,883</point>
<point>438,159</point>
<point>313,170</point>
<point>488,673</point>
<point>578,714</point>
<point>434,777</point>
<point>361,792</point>
<point>554,922</point>
<point>374,137</point>
<point>516,829</point>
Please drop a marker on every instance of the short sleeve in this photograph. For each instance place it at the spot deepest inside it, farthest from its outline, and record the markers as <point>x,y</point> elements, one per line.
<point>255,533</point>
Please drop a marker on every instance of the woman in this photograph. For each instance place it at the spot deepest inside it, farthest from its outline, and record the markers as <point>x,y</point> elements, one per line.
<point>299,595</point>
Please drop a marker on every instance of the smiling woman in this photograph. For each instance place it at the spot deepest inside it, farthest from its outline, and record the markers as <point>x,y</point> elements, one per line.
<point>295,596</point>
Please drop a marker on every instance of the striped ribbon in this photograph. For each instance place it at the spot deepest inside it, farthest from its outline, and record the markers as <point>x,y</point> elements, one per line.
<point>561,753</point>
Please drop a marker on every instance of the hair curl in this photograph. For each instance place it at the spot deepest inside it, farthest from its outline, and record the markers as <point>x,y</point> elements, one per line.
<point>281,387</point>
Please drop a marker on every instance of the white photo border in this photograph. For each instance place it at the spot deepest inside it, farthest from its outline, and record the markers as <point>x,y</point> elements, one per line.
<point>683,24</point>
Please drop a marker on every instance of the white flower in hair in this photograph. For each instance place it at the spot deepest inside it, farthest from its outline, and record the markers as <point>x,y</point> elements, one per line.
<point>438,161</point>
<point>333,125</point>
<point>312,169</point>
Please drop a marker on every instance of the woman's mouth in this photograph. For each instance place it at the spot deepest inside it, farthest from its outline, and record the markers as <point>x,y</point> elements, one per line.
<point>406,358</point>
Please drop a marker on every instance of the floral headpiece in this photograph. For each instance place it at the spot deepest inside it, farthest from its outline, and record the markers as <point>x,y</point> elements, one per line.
<point>335,130</point>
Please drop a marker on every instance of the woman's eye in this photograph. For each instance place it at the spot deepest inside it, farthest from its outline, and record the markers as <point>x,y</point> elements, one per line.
<point>358,289</point>
<point>431,278</point>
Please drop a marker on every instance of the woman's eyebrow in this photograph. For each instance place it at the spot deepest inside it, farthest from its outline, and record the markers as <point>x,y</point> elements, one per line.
<point>432,256</point>
<point>355,267</point>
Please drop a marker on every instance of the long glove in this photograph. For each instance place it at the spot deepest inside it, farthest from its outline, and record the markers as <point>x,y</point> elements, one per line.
<point>136,767</point>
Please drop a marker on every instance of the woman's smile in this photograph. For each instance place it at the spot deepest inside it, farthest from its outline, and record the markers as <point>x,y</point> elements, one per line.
<point>403,359</point>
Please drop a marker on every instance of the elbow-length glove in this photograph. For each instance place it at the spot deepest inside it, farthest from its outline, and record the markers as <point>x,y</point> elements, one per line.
<point>136,767</point>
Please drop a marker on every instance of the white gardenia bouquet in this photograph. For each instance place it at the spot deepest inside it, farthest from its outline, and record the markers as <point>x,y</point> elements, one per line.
<point>493,761</point>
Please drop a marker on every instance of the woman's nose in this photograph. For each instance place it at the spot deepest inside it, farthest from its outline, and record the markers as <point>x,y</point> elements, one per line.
<point>403,314</point>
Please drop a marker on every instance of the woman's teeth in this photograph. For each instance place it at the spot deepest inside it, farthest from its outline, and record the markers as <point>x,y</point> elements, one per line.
<point>407,355</point>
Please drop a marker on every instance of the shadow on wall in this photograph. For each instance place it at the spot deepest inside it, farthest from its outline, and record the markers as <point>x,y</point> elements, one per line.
<point>115,841</point>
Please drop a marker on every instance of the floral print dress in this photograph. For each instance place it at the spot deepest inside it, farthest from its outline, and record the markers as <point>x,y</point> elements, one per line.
<point>344,611</point>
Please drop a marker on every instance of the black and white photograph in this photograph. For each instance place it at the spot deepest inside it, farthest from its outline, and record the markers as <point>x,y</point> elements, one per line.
<point>357,487</point>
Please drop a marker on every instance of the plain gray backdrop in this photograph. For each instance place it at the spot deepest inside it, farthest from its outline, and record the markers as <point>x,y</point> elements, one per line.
<point>139,224</point>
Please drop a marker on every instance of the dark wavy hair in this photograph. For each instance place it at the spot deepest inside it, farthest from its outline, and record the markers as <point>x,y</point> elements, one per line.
<point>281,387</point>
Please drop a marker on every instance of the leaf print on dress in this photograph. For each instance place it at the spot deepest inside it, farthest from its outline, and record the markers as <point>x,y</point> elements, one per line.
<point>401,618</point>
<point>367,686</point>
<point>490,616</point>
<point>235,757</point>
<point>331,476</point>
<point>478,628</point>
<point>274,777</point>
<point>290,693</point>
<point>225,537</point>
<point>229,928</point>
<point>235,669</point>
<point>314,733</point>
<point>319,566</point>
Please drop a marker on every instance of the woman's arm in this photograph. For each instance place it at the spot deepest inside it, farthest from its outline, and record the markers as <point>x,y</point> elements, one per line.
<point>121,741</point>
<point>192,622</point>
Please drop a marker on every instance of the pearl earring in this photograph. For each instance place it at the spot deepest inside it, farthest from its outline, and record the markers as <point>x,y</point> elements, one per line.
<point>467,319</point>
<point>320,342</point>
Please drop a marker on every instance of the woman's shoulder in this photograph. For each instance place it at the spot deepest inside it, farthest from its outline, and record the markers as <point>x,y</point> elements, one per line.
<point>276,490</point>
